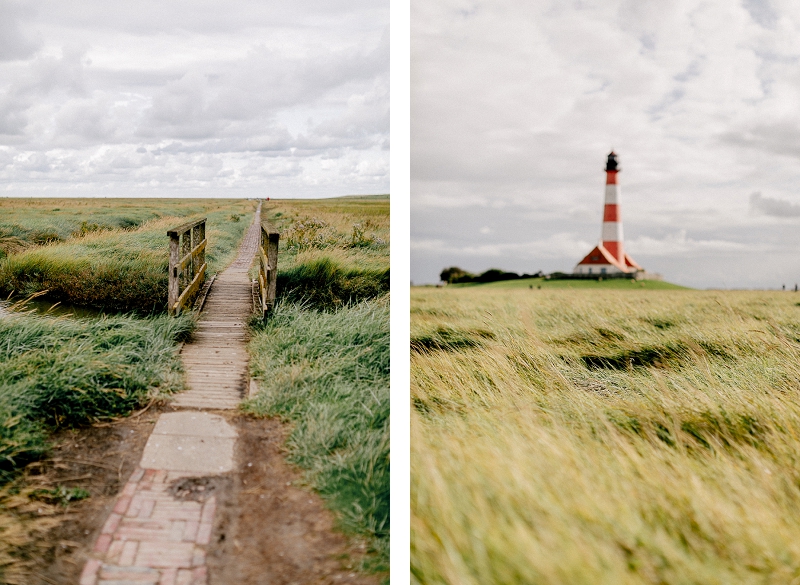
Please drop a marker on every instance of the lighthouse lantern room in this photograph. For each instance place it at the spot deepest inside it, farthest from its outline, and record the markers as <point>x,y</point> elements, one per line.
<point>609,256</point>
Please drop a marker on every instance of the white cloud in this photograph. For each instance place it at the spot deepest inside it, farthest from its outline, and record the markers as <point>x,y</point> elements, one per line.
<point>517,103</point>
<point>192,93</point>
<point>556,246</point>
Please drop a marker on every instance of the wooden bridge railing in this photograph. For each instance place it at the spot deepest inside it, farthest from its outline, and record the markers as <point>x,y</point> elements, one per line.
<point>187,263</point>
<point>268,266</point>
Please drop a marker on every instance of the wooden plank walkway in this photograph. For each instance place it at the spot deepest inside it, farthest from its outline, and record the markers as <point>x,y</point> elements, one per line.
<point>216,358</point>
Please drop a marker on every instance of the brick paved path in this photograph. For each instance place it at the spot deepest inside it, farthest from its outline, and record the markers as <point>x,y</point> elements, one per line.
<point>151,536</point>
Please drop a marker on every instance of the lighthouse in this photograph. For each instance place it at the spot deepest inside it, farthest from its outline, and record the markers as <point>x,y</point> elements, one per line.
<point>609,256</point>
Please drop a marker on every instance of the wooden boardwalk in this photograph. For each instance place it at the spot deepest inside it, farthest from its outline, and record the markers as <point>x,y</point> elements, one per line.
<point>216,358</point>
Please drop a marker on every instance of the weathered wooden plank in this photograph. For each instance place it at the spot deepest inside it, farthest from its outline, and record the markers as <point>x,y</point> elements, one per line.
<point>215,359</point>
<point>191,289</point>
<point>186,260</point>
<point>176,232</point>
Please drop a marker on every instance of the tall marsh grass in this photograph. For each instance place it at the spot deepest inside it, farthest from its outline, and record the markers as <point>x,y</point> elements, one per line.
<point>328,373</point>
<point>67,372</point>
<point>113,267</point>
<point>605,437</point>
<point>326,281</point>
<point>333,252</point>
<point>322,356</point>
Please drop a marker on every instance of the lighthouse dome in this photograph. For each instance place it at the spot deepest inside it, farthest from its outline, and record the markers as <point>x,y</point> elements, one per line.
<point>611,165</point>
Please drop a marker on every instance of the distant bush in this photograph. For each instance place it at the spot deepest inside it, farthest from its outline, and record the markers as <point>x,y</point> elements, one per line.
<point>455,275</point>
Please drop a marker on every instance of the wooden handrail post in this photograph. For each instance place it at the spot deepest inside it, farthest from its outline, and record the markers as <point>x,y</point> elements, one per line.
<point>174,284</point>
<point>268,266</point>
<point>197,237</point>
<point>187,263</point>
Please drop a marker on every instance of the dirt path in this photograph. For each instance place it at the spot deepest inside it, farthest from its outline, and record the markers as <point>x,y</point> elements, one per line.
<point>268,527</point>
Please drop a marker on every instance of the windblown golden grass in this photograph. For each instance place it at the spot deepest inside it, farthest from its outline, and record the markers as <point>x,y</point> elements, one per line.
<point>605,437</point>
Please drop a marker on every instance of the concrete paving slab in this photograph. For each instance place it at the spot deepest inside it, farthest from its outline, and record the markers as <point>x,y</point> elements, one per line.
<point>199,442</point>
<point>194,424</point>
<point>202,455</point>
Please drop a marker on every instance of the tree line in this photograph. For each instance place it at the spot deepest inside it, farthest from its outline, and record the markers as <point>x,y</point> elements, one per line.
<point>456,275</point>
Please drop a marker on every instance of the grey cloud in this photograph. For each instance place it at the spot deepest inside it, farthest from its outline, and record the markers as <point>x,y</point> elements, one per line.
<point>199,105</point>
<point>205,16</point>
<point>772,206</point>
<point>366,115</point>
<point>14,43</point>
<point>762,12</point>
<point>778,137</point>
<point>44,76</point>
<point>180,110</point>
<point>239,95</point>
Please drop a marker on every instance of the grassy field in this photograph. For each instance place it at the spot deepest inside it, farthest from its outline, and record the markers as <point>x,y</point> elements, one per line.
<point>332,251</point>
<point>605,437</point>
<point>323,352</point>
<point>67,372</point>
<point>323,356</point>
<point>608,284</point>
<point>107,253</point>
<point>57,373</point>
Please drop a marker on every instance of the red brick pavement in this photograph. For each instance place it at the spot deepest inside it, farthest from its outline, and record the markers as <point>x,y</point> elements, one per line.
<point>151,538</point>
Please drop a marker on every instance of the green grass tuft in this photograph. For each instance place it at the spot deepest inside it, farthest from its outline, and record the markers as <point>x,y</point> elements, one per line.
<point>324,283</point>
<point>328,373</point>
<point>68,372</point>
<point>60,495</point>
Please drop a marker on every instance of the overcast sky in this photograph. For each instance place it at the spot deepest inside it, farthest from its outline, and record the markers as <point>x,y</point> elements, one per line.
<point>516,103</point>
<point>204,97</point>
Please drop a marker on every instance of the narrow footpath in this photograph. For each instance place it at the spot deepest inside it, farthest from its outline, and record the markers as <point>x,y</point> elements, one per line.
<point>160,527</point>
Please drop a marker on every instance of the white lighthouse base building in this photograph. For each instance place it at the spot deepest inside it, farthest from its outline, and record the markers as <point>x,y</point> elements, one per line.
<point>600,261</point>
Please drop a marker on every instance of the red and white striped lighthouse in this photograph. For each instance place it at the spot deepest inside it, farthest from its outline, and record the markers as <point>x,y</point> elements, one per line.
<point>609,256</point>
